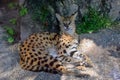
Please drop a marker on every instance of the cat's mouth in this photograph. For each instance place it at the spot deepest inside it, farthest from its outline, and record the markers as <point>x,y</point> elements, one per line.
<point>66,28</point>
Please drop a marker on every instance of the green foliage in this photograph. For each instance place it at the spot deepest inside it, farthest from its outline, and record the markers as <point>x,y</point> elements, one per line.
<point>10,31</point>
<point>23,11</point>
<point>40,11</point>
<point>10,39</point>
<point>13,21</point>
<point>92,21</point>
<point>11,5</point>
<point>41,14</point>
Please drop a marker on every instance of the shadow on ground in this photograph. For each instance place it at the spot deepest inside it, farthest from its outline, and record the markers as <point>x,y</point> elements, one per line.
<point>102,47</point>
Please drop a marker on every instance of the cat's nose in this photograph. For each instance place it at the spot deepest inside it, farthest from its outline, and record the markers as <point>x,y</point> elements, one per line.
<point>66,27</point>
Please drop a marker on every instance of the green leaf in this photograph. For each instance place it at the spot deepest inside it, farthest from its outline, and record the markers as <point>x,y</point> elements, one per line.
<point>9,30</point>
<point>92,21</point>
<point>13,21</point>
<point>23,11</point>
<point>11,5</point>
<point>10,39</point>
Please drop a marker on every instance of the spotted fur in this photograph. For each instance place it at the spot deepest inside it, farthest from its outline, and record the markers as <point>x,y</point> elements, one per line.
<point>35,55</point>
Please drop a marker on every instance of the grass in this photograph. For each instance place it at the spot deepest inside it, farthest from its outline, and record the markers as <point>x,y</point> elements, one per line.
<point>41,12</point>
<point>10,31</point>
<point>13,21</point>
<point>92,21</point>
<point>23,11</point>
<point>11,5</point>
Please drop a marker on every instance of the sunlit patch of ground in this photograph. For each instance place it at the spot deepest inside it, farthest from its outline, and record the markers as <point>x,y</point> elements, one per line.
<point>102,47</point>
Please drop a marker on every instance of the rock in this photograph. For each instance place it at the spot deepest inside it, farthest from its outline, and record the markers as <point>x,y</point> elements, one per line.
<point>28,27</point>
<point>98,46</point>
<point>1,13</point>
<point>115,10</point>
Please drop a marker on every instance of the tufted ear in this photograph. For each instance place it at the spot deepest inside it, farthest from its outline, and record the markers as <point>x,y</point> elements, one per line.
<point>59,17</point>
<point>73,17</point>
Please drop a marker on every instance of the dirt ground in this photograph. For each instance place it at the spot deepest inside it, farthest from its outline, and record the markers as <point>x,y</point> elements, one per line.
<point>102,47</point>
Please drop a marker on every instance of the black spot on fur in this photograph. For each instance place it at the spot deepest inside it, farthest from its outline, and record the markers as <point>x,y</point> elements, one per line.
<point>27,49</point>
<point>33,37</point>
<point>31,40</point>
<point>44,57</point>
<point>63,57</point>
<point>47,38</point>
<point>44,38</point>
<point>51,57</point>
<point>42,61</point>
<point>22,45</point>
<point>54,37</point>
<point>67,59</point>
<point>36,40</point>
<point>39,58</point>
<point>32,46</point>
<point>51,63</point>
<point>33,50</point>
<point>46,65</point>
<point>24,48</point>
<point>36,54</point>
<point>21,59</point>
<point>37,68</point>
<point>35,59</point>
<point>25,42</point>
<point>28,58</point>
<point>31,55</point>
<point>20,49</point>
<point>40,36</point>
<point>72,53</point>
<point>39,52</point>
<point>32,68</point>
<point>55,72</point>
<point>27,66</point>
<point>58,65</point>
<point>31,62</point>
<point>64,51</point>
<point>29,44</point>
<point>66,46</point>
<point>22,52</point>
<point>24,66</point>
<point>39,63</point>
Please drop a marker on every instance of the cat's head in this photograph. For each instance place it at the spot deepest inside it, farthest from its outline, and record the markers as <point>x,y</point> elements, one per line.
<point>67,24</point>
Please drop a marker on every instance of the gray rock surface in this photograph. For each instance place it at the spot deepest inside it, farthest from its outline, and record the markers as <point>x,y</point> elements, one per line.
<point>102,47</point>
<point>115,10</point>
<point>110,8</point>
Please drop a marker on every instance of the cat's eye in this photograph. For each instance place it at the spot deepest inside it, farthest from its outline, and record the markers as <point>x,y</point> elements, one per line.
<point>69,22</point>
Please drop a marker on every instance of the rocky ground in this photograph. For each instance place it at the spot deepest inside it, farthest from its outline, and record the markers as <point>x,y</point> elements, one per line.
<point>102,47</point>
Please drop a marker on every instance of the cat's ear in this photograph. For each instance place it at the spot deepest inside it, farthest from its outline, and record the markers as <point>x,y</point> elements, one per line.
<point>73,17</point>
<point>59,17</point>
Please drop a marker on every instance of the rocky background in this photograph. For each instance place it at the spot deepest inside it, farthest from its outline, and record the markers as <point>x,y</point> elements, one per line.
<point>47,10</point>
<point>103,47</point>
